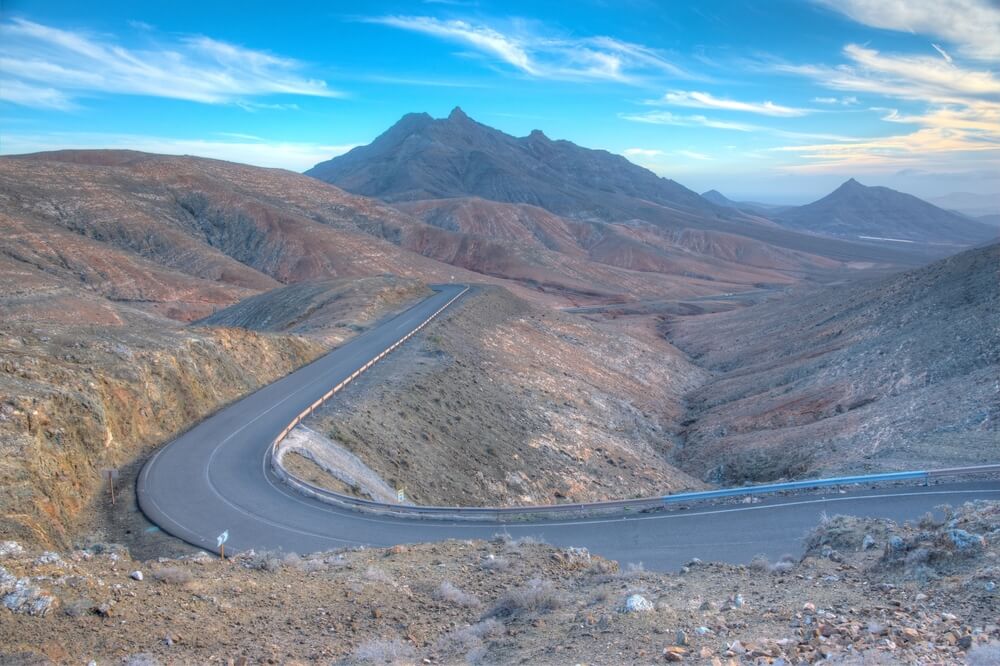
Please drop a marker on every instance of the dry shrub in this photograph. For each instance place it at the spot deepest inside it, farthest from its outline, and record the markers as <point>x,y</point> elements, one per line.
<point>383,651</point>
<point>762,564</point>
<point>173,576</point>
<point>845,532</point>
<point>448,591</point>
<point>468,641</point>
<point>495,563</point>
<point>377,575</point>
<point>538,596</point>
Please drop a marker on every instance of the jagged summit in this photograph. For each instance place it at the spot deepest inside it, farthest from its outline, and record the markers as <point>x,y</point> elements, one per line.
<point>424,158</point>
<point>457,114</point>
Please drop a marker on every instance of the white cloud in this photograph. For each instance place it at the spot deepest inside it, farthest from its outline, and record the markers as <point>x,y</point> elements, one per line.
<point>245,149</point>
<point>26,94</point>
<point>545,56</point>
<point>973,25</point>
<point>50,67</point>
<point>914,77</point>
<point>643,152</point>
<point>667,118</point>
<point>944,54</point>
<point>694,155</point>
<point>704,100</point>
<point>488,40</point>
<point>849,100</point>
<point>960,119</point>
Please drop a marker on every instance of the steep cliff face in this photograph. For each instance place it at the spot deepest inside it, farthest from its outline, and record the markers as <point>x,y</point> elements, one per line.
<point>76,400</point>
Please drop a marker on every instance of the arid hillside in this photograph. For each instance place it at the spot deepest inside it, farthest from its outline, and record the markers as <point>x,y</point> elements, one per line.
<point>185,236</point>
<point>230,230</point>
<point>716,258</point>
<point>502,402</point>
<point>895,374</point>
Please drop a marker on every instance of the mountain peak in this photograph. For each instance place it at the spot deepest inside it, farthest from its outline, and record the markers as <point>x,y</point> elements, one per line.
<point>854,210</point>
<point>459,157</point>
<point>457,114</point>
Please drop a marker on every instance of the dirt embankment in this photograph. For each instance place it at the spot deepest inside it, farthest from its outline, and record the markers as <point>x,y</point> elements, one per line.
<point>502,402</point>
<point>866,592</point>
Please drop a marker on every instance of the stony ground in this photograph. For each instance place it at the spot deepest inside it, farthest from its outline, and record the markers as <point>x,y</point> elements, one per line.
<point>866,592</point>
<point>503,402</point>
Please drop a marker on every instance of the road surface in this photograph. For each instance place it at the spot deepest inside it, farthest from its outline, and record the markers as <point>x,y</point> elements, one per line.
<point>216,478</point>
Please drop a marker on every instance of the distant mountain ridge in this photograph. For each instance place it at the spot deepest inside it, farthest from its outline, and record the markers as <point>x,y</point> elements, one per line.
<point>854,210</point>
<point>969,203</point>
<point>425,158</point>
<point>421,158</point>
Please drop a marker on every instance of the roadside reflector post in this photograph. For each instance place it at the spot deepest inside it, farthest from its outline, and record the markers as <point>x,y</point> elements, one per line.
<point>220,541</point>
<point>111,475</point>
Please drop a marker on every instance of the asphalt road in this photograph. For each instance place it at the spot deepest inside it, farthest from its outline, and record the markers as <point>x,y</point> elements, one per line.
<point>216,477</point>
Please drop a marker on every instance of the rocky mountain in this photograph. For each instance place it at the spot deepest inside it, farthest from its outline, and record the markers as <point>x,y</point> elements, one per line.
<point>866,377</point>
<point>856,211</point>
<point>421,158</point>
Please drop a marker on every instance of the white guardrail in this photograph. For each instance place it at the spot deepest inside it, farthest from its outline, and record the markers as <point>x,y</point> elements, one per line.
<point>543,510</point>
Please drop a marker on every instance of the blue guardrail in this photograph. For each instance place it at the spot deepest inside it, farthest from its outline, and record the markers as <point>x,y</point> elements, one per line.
<point>794,485</point>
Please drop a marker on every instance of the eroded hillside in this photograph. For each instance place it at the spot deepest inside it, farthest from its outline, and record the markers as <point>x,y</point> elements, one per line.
<point>896,374</point>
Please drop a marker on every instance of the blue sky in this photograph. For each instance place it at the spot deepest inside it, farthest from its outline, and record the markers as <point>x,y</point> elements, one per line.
<point>775,100</point>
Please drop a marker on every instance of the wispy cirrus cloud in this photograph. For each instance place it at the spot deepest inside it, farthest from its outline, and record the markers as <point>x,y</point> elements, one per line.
<point>49,67</point>
<point>668,118</point>
<point>973,25</point>
<point>695,155</point>
<point>704,100</point>
<point>848,100</point>
<point>960,117</point>
<point>915,77</point>
<point>642,152</point>
<point>538,54</point>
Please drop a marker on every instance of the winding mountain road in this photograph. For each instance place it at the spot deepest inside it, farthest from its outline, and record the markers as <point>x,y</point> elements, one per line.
<point>216,477</point>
